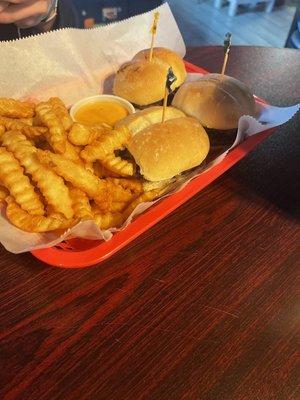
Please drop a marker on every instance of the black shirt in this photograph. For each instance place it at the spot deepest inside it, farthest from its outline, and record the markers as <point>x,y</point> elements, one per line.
<point>67,17</point>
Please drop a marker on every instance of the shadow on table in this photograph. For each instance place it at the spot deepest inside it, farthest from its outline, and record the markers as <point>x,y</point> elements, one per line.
<point>273,169</point>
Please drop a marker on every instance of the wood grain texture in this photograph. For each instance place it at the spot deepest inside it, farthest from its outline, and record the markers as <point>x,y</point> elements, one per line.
<point>202,306</point>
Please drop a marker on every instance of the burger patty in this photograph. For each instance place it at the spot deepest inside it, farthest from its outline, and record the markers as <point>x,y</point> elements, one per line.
<point>157,103</point>
<point>223,138</point>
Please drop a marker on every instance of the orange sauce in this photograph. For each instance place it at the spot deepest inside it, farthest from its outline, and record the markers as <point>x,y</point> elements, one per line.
<point>98,112</point>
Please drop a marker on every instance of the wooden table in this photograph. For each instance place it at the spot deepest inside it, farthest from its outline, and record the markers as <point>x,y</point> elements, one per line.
<point>203,306</point>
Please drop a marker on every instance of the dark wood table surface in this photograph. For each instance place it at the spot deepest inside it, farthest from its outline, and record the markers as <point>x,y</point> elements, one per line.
<point>202,306</point>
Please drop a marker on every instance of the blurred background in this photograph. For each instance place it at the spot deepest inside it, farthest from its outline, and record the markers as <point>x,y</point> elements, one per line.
<point>274,23</point>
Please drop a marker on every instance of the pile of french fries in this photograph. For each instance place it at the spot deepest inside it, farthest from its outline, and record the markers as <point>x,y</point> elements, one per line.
<point>55,173</point>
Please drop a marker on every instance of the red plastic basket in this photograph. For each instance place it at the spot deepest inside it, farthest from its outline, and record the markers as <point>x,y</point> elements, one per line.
<point>79,253</point>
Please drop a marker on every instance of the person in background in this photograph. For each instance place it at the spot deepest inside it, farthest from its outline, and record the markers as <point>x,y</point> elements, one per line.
<point>22,18</point>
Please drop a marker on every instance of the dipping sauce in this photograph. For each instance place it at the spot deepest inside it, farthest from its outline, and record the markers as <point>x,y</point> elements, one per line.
<point>97,112</point>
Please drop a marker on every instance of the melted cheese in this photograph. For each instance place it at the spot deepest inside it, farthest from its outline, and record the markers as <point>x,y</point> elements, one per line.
<point>98,112</point>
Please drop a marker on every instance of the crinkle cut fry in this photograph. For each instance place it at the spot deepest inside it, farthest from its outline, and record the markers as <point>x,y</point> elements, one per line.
<point>117,165</point>
<point>98,189</point>
<point>143,198</point>
<point>72,154</point>
<point>112,207</point>
<point>12,178</point>
<point>53,114</point>
<point>33,132</point>
<point>12,123</point>
<point>102,172</point>
<point>81,203</point>
<point>74,173</point>
<point>115,193</point>
<point>33,223</point>
<point>100,129</point>
<point>3,193</point>
<point>27,121</point>
<point>30,132</point>
<point>89,166</point>
<point>61,111</point>
<point>56,134</point>
<point>49,183</point>
<point>116,200</point>
<point>15,109</point>
<point>134,185</point>
<point>109,220</point>
<point>79,135</point>
<point>82,135</point>
<point>106,144</point>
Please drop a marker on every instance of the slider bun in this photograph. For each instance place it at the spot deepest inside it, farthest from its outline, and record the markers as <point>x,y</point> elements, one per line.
<point>216,101</point>
<point>164,150</point>
<point>169,57</point>
<point>149,116</point>
<point>143,82</point>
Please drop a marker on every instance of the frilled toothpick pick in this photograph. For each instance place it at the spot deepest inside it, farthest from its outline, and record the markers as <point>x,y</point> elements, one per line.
<point>153,33</point>
<point>227,45</point>
<point>171,78</point>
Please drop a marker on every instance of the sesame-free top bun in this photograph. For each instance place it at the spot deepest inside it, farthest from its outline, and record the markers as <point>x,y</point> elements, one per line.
<point>143,82</point>
<point>171,58</point>
<point>217,101</point>
<point>164,150</point>
<point>142,119</point>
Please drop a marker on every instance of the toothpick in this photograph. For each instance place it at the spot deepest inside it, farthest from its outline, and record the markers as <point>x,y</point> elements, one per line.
<point>153,32</point>
<point>227,45</point>
<point>165,104</point>
<point>224,64</point>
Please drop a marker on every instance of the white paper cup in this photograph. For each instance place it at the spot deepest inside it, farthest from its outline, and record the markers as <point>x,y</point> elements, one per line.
<point>101,97</point>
